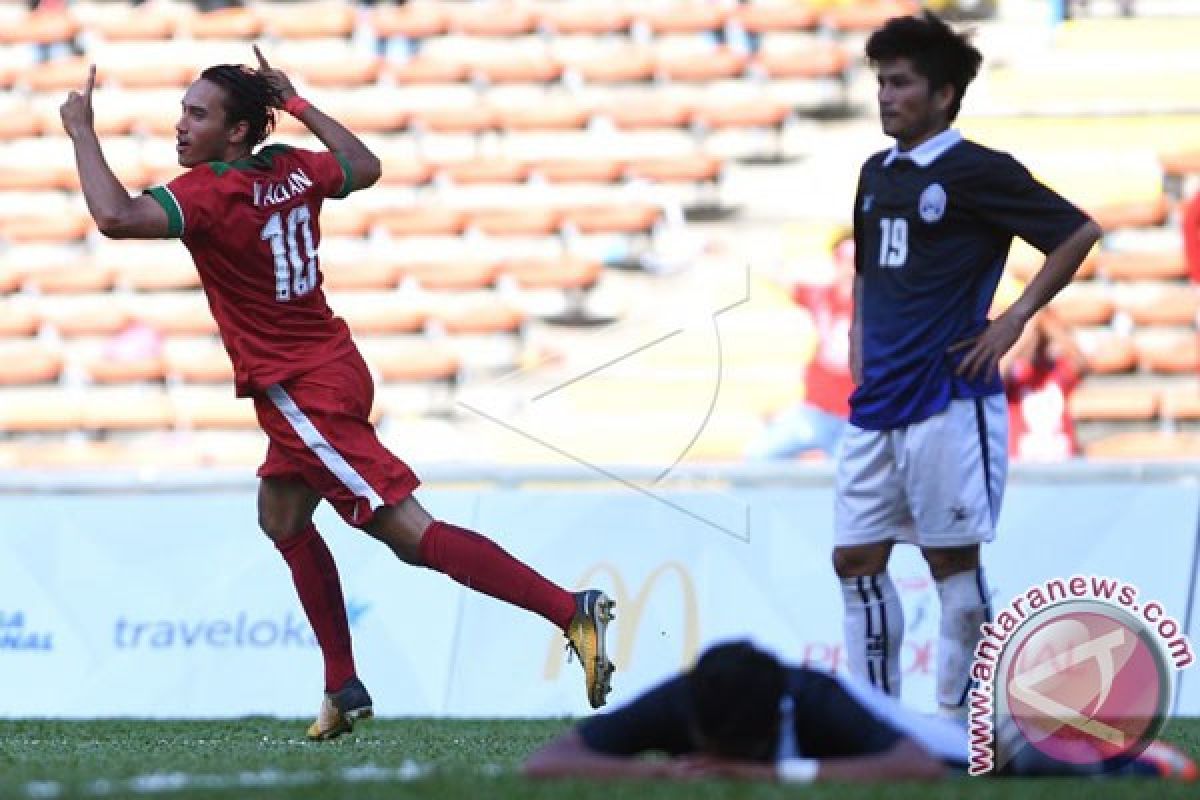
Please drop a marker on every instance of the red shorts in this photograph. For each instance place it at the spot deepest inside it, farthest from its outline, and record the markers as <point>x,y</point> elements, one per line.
<point>321,434</point>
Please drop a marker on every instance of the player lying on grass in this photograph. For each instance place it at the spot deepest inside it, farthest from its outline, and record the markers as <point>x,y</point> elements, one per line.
<point>741,714</point>
<point>250,219</point>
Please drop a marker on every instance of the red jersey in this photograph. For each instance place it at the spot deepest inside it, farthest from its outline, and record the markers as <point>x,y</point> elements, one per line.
<point>252,229</point>
<point>1039,426</point>
<point>827,379</point>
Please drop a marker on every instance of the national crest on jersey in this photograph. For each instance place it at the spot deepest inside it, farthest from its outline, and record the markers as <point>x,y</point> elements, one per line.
<point>932,230</point>
<point>253,229</point>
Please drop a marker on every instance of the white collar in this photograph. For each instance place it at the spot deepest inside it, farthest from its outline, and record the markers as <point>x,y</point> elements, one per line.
<point>927,151</point>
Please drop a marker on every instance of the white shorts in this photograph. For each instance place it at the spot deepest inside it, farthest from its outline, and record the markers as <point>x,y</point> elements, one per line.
<point>936,483</point>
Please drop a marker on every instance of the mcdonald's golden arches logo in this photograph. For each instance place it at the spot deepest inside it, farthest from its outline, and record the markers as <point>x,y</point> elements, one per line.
<point>630,608</point>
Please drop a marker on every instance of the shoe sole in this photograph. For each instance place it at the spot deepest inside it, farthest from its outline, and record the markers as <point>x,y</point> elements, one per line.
<point>349,718</point>
<point>602,614</point>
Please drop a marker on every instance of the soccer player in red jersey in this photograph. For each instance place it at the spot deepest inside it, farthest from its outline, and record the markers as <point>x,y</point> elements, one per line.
<point>251,222</point>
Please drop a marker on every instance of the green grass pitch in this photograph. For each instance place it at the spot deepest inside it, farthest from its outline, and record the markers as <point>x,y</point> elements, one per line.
<point>260,758</point>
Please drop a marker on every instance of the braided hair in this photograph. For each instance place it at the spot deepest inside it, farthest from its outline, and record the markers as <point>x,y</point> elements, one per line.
<point>248,96</point>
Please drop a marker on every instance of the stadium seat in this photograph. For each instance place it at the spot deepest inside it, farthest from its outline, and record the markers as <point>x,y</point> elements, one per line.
<point>483,171</point>
<point>190,359</point>
<point>562,273</point>
<point>519,68</point>
<point>421,70</point>
<point>59,75</point>
<point>424,220</point>
<point>1159,304</point>
<point>1109,354</point>
<point>675,18</point>
<point>826,61</point>
<point>83,314</point>
<point>647,114</point>
<point>1181,163</point>
<point>515,221</point>
<point>224,23</point>
<point>365,274</point>
<point>450,275</point>
<point>1171,351</point>
<point>103,368</point>
<point>117,23</point>
<point>629,65</point>
<point>18,319</point>
<point>26,361</point>
<point>501,19</point>
<point>1084,304</point>
<point>374,313</point>
<point>347,70</point>
<point>173,313</point>
<point>410,20</point>
<point>307,20</point>
<point>80,278</point>
<point>631,218</point>
<point>17,122</point>
<point>776,17</point>
<point>1144,445</point>
<point>583,18</point>
<point>205,407</point>
<point>40,410</point>
<point>867,15</point>
<point>1124,403</point>
<point>344,219</point>
<point>478,316</point>
<point>405,171</point>
<point>40,27</point>
<point>1134,214</point>
<point>475,119</point>
<point>746,114</point>
<point>60,227</point>
<point>1140,266</point>
<point>698,168</point>
<point>579,170</point>
<point>407,361</point>
<point>553,116</point>
<point>112,408</point>
<point>721,64</point>
<point>1182,403</point>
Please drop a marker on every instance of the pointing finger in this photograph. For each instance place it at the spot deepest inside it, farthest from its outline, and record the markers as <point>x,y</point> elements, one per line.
<point>91,82</point>
<point>262,62</point>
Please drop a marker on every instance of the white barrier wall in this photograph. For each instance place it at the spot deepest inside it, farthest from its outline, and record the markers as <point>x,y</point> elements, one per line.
<point>172,604</point>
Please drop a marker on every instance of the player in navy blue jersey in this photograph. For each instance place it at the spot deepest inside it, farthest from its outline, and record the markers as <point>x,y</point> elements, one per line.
<point>740,713</point>
<point>924,457</point>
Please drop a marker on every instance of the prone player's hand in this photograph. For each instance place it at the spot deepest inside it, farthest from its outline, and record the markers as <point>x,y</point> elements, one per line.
<point>76,110</point>
<point>275,77</point>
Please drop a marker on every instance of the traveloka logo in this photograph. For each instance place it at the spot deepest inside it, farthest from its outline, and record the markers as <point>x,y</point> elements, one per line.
<point>14,635</point>
<point>243,630</point>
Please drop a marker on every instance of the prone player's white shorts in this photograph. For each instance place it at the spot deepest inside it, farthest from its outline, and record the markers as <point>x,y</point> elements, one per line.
<point>935,483</point>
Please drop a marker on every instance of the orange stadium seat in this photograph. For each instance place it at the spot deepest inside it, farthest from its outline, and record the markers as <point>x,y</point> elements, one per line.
<point>357,69</point>
<point>1162,304</point>
<point>40,27</point>
<point>450,275</point>
<point>579,170</point>
<point>478,171</point>
<point>613,219</point>
<point>132,23</point>
<point>411,20</point>
<point>551,116</point>
<point>720,64</point>
<point>344,219</point>
<point>40,410</point>
<point>825,61</point>
<point>867,15</point>
<point>173,313</point>
<point>13,176</point>
<point>1147,214</point>
<point>84,277</point>
<point>84,315</point>
<point>423,70</point>
<point>1182,403</point>
<point>157,75</point>
<point>162,277</point>
<point>697,168</point>
<point>59,75</point>
<point>205,407</point>
<point>25,361</point>
<point>519,68</point>
<point>481,317</point>
<point>359,275</point>
<point>561,273</point>
<point>629,65</point>
<point>224,23</point>
<point>776,18</point>
<point>305,20</point>
<point>515,221</point>
<point>62,227</point>
<point>1144,445</point>
<point>1136,266</point>
<point>746,114</point>
<point>583,18</point>
<point>491,19</point>
<point>1114,403</point>
<point>380,314</point>
<point>647,114</point>
<point>18,319</point>
<point>197,360</point>
<point>684,18</point>
<point>104,369</point>
<point>1084,304</point>
<point>1168,351</point>
<point>18,123</point>
<point>474,119</point>
<point>399,361</point>
<point>424,220</point>
<point>405,171</point>
<point>1111,354</point>
<point>120,408</point>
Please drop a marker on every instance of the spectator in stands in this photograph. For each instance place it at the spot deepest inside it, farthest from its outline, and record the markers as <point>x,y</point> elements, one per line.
<point>741,714</point>
<point>249,218</point>
<point>1040,373</point>
<point>816,424</point>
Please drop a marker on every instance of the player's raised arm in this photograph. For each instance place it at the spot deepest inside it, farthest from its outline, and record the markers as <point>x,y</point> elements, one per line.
<point>364,165</point>
<point>117,215</point>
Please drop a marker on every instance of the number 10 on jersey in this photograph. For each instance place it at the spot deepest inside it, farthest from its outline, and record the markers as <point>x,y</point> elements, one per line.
<point>893,241</point>
<point>295,271</point>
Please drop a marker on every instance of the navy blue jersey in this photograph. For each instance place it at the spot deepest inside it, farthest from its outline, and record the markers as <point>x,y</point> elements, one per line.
<point>824,716</point>
<point>932,230</point>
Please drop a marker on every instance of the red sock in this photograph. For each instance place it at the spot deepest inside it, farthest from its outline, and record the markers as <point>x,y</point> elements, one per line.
<point>316,577</point>
<point>480,564</point>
